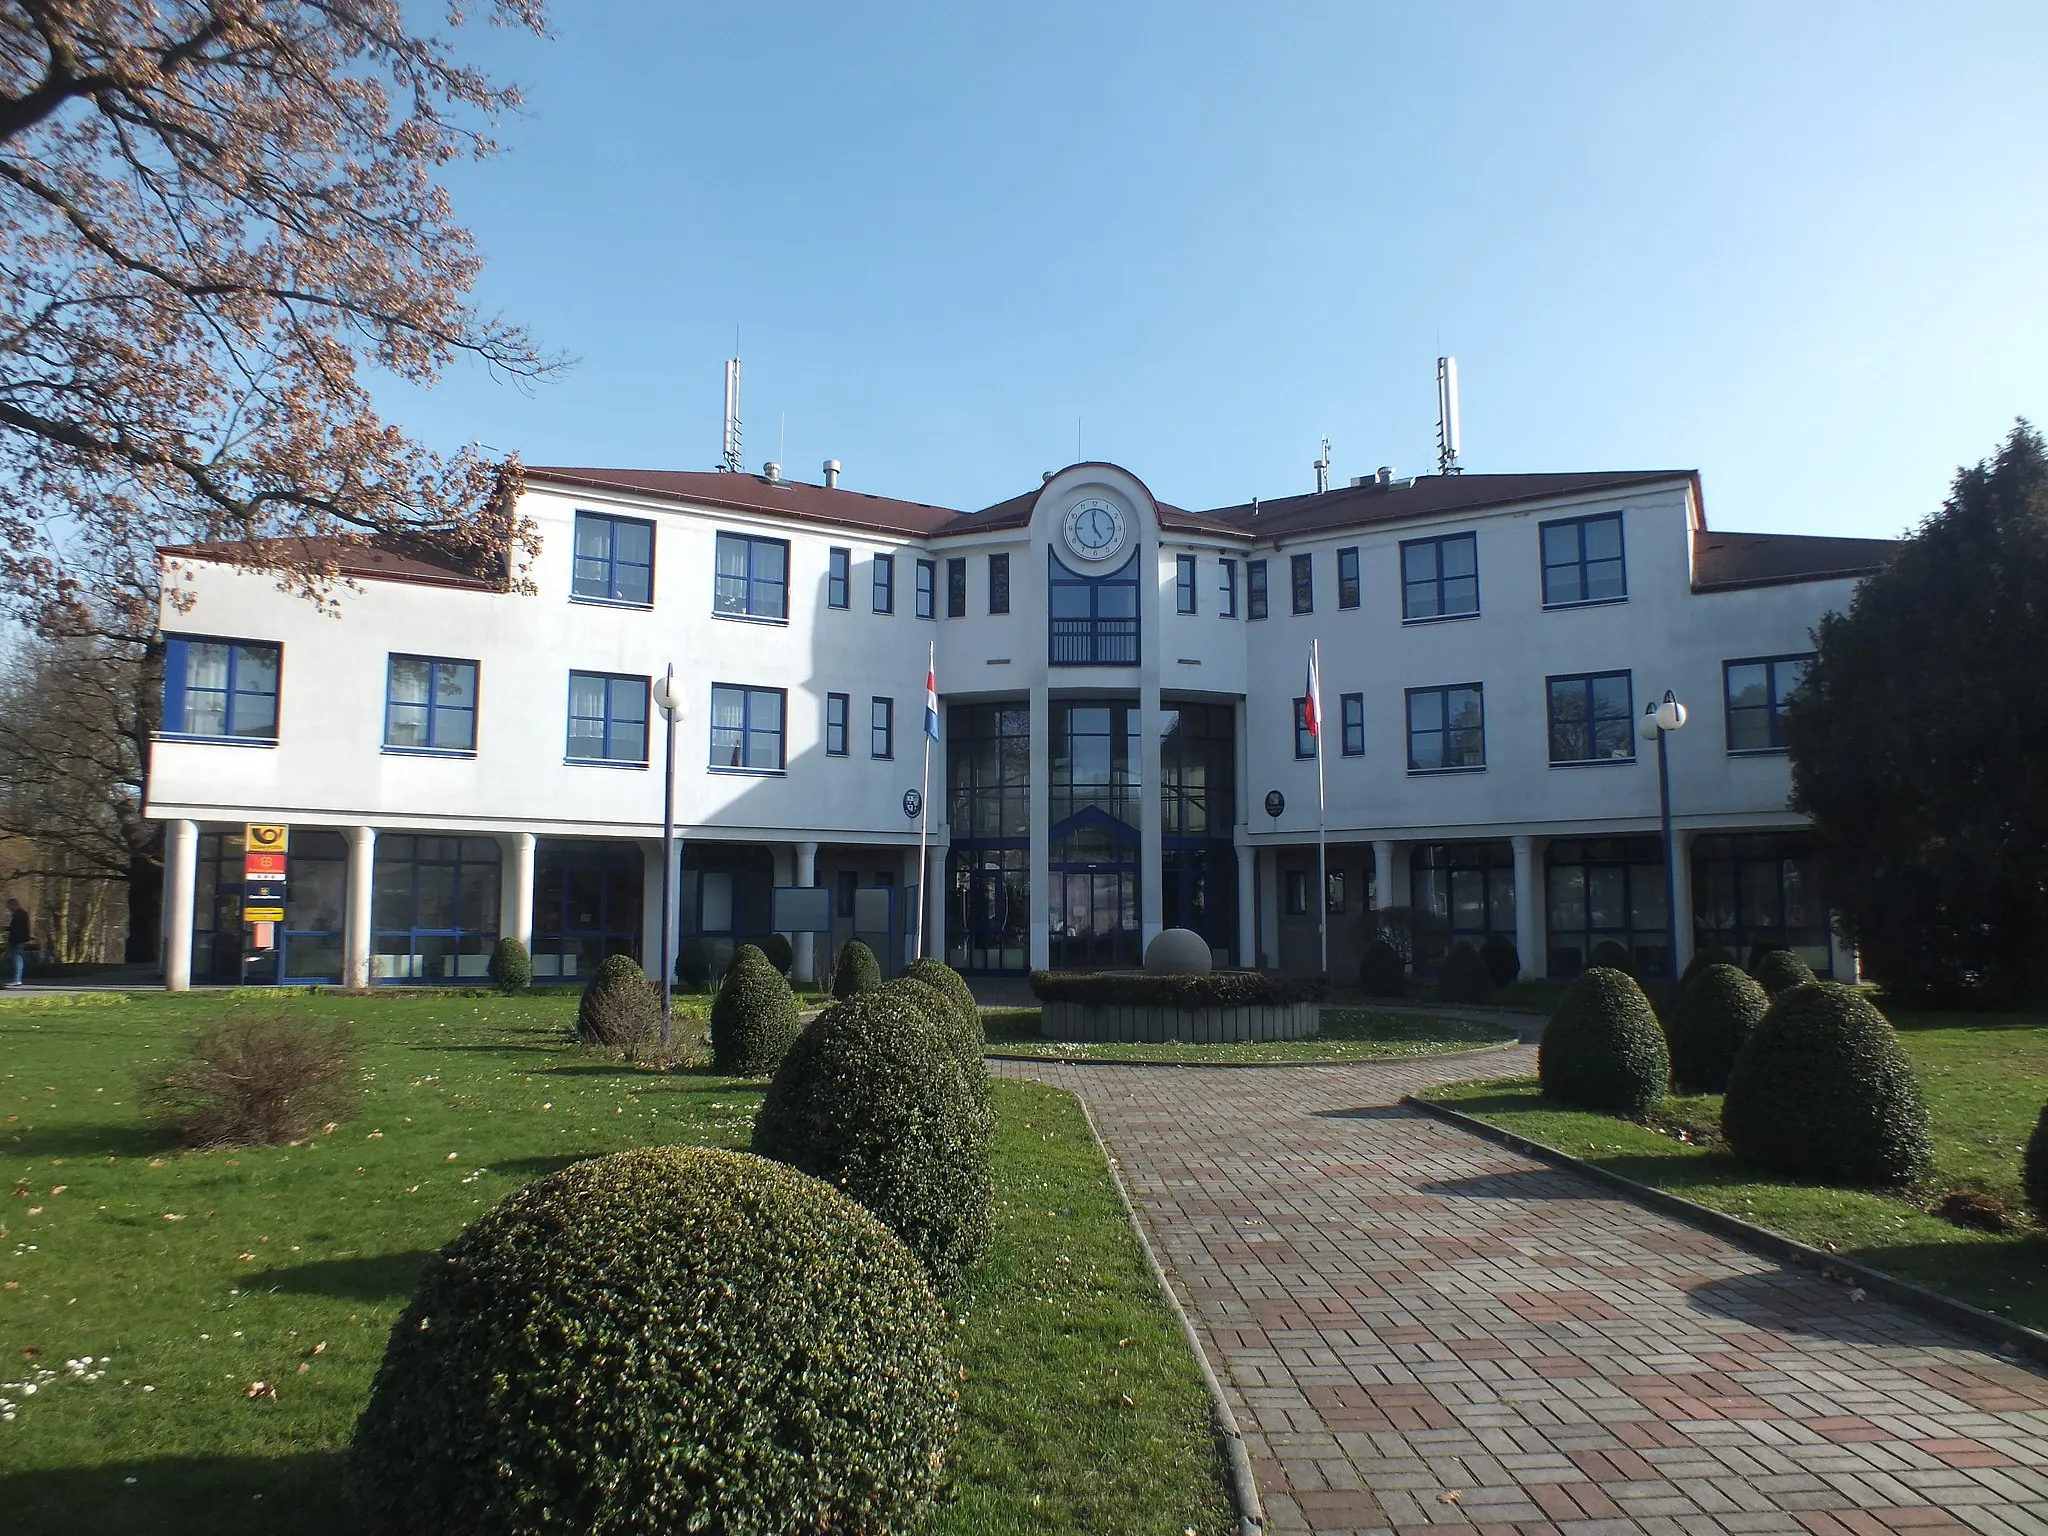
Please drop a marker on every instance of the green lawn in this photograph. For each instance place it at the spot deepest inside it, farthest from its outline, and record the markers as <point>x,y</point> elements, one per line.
<point>1985,1076</point>
<point>1347,1034</point>
<point>189,1277</point>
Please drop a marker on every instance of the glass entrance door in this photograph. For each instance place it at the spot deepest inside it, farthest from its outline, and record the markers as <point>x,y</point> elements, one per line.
<point>1092,894</point>
<point>1198,891</point>
<point>988,914</point>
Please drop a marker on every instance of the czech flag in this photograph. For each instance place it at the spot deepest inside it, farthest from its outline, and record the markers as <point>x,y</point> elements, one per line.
<point>1311,705</point>
<point>931,698</point>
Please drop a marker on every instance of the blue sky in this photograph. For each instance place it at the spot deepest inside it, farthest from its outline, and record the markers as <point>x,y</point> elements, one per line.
<point>1798,247</point>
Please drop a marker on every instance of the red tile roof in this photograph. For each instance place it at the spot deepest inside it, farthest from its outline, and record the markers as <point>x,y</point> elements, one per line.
<point>385,558</point>
<point>1727,562</point>
<point>1360,506</point>
<point>753,493</point>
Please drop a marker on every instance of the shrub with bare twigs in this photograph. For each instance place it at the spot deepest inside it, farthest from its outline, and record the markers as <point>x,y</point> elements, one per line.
<point>256,1082</point>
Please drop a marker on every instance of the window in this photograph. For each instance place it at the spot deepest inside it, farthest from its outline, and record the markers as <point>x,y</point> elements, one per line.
<point>1347,578</point>
<point>956,587</point>
<point>1469,886</point>
<point>614,560</point>
<point>927,590</point>
<point>1603,890</point>
<point>835,724</point>
<point>885,583</point>
<point>1304,738</point>
<point>434,908</point>
<point>1303,572</point>
<point>1752,888</point>
<point>607,718</point>
<point>1440,577</point>
<point>1183,583</point>
<point>1352,708</point>
<point>1446,728</point>
<point>1228,606</point>
<point>838,576</point>
<point>1582,561</point>
<point>1593,719</point>
<point>1092,620</point>
<point>1297,893</point>
<point>430,705</point>
<point>751,579</point>
<point>882,728</point>
<point>998,583</point>
<point>746,728</point>
<point>1757,691</point>
<point>1255,589</point>
<point>225,688</point>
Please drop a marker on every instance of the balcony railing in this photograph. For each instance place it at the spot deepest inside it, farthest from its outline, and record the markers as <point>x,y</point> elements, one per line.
<point>1095,642</point>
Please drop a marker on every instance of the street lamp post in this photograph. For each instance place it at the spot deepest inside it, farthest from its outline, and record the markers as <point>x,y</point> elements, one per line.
<point>670,703</point>
<point>1659,721</point>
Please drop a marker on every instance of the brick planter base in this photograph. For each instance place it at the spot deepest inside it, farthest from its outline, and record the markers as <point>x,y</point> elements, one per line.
<point>1196,1026</point>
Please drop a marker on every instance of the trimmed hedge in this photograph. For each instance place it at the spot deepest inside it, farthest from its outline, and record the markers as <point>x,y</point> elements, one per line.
<point>780,952</point>
<point>962,1023</point>
<point>857,971</point>
<point>2036,1169</point>
<point>1218,989</point>
<point>1503,960</point>
<point>1713,954</point>
<point>693,964</point>
<point>681,1337</point>
<point>617,1007</point>
<point>511,967</point>
<point>1603,1047</point>
<point>1381,970</point>
<point>1612,955</point>
<point>1823,1090</point>
<point>1464,978</point>
<point>1779,971</point>
<point>871,1100</point>
<point>753,1018</point>
<point>1716,1010</point>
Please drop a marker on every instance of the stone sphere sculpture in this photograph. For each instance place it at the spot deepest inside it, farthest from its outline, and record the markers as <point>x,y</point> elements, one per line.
<point>1177,952</point>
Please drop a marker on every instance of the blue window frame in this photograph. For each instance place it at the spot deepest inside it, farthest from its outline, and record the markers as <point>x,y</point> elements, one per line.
<point>434,908</point>
<point>1583,561</point>
<point>221,689</point>
<point>1228,609</point>
<point>1347,578</point>
<point>1255,589</point>
<point>607,718</point>
<point>746,728</point>
<point>1439,577</point>
<point>1593,718</point>
<point>1446,728</point>
<point>1304,738</point>
<point>999,583</point>
<point>835,724</point>
<point>752,577</point>
<point>838,576</point>
<point>1352,707</point>
<point>1183,583</point>
<point>882,728</point>
<point>1302,574</point>
<point>614,560</point>
<point>1092,621</point>
<point>430,705</point>
<point>885,583</point>
<point>927,590</point>
<point>1756,691</point>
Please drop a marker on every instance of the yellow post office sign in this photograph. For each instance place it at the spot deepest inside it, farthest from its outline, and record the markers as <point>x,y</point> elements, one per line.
<point>258,838</point>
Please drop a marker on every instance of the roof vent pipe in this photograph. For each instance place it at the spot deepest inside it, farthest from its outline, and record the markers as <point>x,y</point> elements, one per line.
<point>773,471</point>
<point>831,474</point>
<point>1386,474</point>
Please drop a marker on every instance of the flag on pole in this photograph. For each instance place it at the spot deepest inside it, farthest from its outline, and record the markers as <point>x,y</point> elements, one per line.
<point>1311,706</point>
<point>931,697</point>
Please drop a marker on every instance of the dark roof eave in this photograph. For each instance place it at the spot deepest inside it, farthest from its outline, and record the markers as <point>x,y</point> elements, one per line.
<point>1797,578</point>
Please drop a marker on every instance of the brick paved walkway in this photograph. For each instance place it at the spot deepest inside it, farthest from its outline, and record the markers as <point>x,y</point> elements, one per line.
<point>1417,1328</point>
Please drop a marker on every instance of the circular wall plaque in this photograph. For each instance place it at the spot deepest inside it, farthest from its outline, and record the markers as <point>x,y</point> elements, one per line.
<point>1275,803</point>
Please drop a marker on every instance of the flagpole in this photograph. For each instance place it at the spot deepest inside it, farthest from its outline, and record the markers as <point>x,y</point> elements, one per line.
<point>1322,819</point>
<point>924,806</point>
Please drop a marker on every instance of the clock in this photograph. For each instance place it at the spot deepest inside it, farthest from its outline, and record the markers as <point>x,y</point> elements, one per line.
<point>1094,529</point>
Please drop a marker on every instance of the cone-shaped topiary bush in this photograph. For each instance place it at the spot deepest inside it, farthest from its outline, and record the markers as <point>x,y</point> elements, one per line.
<point>1381,971</point>
<point>1503,960</point>
<point>856,972</point>
<point>679,1335</point>
<point>1603,1047</point>
<point>1612,955</point>
<point>962,1027</point>
<point>872,1101</point>
<point>1823,1090</point>
<point>693,964</point>
<point>1712,954</point>
<point>1779,971</point>
<point>1715,1012</point>
<point>1464,978</point>
<point>511,967</point>
<point>618,1007</point>
<point>938,1010</point>
<point>780,952</point>
<point>2036,1169</point>
<point>753,1018</point>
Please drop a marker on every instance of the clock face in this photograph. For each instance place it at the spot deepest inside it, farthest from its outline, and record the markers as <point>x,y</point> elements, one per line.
<point>1095,529</point>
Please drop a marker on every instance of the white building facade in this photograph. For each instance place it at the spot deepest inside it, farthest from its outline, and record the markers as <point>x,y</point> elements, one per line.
<point>1120,683</point>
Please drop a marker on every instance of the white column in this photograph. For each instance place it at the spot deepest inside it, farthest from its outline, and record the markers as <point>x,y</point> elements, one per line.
<point>935,899</point>
<point>515,892</point>
<point>181,889</point>
<point>803,946</point>
<point>1681,885</point>
<point>650,907</point>
<point>1383,893</point>
<point>1041,810</point>
<point>1269,907</point>
<point>1151,840</point>
<point>1529,937</point>
<point>362,865</point>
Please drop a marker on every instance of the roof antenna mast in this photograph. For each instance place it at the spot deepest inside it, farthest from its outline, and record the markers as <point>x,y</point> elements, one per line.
<point>730,460</point>
<point>1447,417</point>
<point>1323,469</point>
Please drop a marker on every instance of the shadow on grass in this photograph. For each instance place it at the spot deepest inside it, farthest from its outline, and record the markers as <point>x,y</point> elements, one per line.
<point>374,1277</point>
<point>92,1141</point>
<point>183,1496</point>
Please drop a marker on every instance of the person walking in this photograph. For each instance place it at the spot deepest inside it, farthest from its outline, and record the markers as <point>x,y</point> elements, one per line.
<point>17,940</point>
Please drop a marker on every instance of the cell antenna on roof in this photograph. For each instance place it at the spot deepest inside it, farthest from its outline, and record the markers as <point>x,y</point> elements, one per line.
<point>731,459</point>
<point>1447,417</point>
<point>1323,469</point>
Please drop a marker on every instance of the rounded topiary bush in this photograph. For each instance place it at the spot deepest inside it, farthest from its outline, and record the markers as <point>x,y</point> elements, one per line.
<point>753,1018</point>
<point>674,1337</point>
<point>1715,1012</point>
<point>2035,1173</point>
<point>1603,1047</point>
<point>780,952</point>
<point>1712,954</point>
<point>618,1007</point>
<point>1823,1090</point>
<point>1612,955</point>
<point>856,972</point>
<point>962,1022</point>
<point>511,967</point>
<point>1503,960</point>
<point>1779,971</point>
<point>693,964</point>
<point>1381,971</point>
<point>871,1100</point>
<point>1464,978</point>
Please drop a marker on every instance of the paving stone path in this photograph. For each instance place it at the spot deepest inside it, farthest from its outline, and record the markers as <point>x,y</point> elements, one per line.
<point>1417,1328</point>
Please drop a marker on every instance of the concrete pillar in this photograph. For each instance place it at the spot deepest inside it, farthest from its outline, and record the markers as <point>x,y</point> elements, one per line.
<point>935,899</point>
<point>181,890</point>
<point>1151,841</point>
<point>1041,812</point>
<point>650,907</point>
<point>362,870</point>
<point>803,946</point>
<point>1531,943</point>
<point>1681,852</point>
<point>1247,902</point>
<point>1269,908</point>
<point>515,888</point>
<point>1383,873</point>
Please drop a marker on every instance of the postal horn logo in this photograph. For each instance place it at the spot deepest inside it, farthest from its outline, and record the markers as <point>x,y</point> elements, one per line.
<point>266,838</point>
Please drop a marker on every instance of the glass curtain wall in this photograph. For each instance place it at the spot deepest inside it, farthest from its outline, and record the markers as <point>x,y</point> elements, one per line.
<point>1470,887</point>
<point>1752,888</point>
<point>1198,810</point>
<point>586,905</point>
<point>434,906</point>
<point>988,869</point>
<point>1092,895</point>
<point>1601,889</point>
<point>309,942</point>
